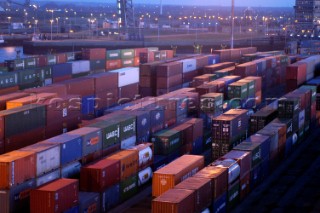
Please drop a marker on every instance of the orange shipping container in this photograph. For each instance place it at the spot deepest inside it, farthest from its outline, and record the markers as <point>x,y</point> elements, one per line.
<point>54,197</point>
<point>128,162</point>
<point>16,167</point>
<point>174,201</point>
<point>32,99</point>
<point>175,172</point>
<point>113,64</point>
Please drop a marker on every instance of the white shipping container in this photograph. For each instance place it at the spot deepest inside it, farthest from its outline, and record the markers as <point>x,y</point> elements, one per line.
<point>127,76</point>
<point>189,65</point>
<point>129,142</point>
<point>80,66</point>
<point>48,178</point>
<point>48,157</point>
<point>144,176</point>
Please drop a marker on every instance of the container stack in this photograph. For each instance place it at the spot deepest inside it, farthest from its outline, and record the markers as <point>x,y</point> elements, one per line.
<point>296,74</point>
<point>211,105</point>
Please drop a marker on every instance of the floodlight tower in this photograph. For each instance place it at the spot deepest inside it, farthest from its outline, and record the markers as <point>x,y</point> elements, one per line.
<point>125,14</point>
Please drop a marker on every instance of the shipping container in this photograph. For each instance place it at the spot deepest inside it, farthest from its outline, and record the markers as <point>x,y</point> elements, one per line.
<point>91,139</point>
<point>71,170</point>
<point>60,70</point>
<point>57,196</point>
<point>128,187</point>
<point>83,66</point>
<point>31,99</point>
<point>49,177</point>
<point>47,156</point>
<point>110,197</point>
<point>94,53</point>
<point>166,141</point>
<point>100,175</point>
<point>127,53</point>
<point>8,80</point>
<point>175,201</point>
<point>89,202</point>
<point>113,54</point>
<point>113,64</point>
<point>70,147</point>
<point>129,162</point>
<point>243,159</point>
<point>202,190</point>
<point>9,97</point>
<point>16,168</point>
<point>17,199</point>
<point>145,153</point>
<point>175,172</point>
<point>127,76</point>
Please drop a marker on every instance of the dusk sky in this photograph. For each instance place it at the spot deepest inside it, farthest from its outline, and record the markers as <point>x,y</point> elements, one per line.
<point>246,3</point>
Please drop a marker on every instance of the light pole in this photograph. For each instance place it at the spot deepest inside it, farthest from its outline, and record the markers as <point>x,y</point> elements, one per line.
<point>232,23</point>
<point>51,21</point>
<point>250,30</point>
<point>9,26</point>
<point>57,25</point>
<point>35,26</point>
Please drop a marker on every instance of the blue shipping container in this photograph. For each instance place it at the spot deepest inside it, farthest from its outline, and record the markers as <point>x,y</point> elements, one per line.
<point>89,202</point>
<point>70,146</point>
<point>255,176</point>
<point>59,70</point>
<point>74,209</point>
<point>264,142</point>
<point>87,105</point>
<point>219,205</point>
<point>159,161</point>
<point>110,198</point>
<point>197,146</point>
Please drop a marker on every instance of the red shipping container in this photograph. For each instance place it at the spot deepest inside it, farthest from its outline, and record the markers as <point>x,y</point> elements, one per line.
<point>16,167</point>
<point>1,147</point>
<point>24,139</point>
<point>301,96</point>
<point>61,78</point>
<point>8,90</point>
<point>146,81</point>
<point>61,58</point>
<point>94,53</point>
<point>202,61</point>
<point>169,82</point>
<point>244,186</point>
<point>215,67</point>
<point>80,86</point>
<point>100,80</point>
<point>57,196</point>
<point>113,64</point>
<point>246,69</point>
<point>146,91</point>
<point>218,177</point>
<point>169,54</point>
<point>136,61</point>
<point>129,92</point>
<point>42,60</point>
<point>206,88</point>
<point>175,201</point>
<point>169,69</point>
<point>9,97</point>
<point>100,175</point>
<point>225,54</point>
<point>202,189</point>
<point>297,71</point>
<point>188,77</point>
<point>313,111</point>
<point>60,89</point>
<point>90,158</point>
<point>111,150</point>
<point>137,51</point>
<point>235,54</point>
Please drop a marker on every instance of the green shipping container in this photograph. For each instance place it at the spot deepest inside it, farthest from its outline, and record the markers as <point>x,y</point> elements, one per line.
<point>46,72</point>
<point>30,63</point>
<point>17,64</point>
<point>255,150</point>
<point>29,76</point>
<point>128,188</point>
<point>113,54</point>
<point>238,90</point>
<point>52,59</point>
<point>110,132</point>
<point>70,56</point>
<point>127,53</point>
<point>23,119</point>
<point>211,102</point>
<point>31,85</point>
<point>97,65</point>
<point>127,125</point>
<point>127,62</point>
<point>78,75</point>
<point>233,195</point>
<point>251,88</point>
<point>166,141</point>
<point>153,49</point>
<point>8,79</point>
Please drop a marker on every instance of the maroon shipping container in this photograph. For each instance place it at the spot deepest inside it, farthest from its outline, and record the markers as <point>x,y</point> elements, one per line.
<point>225,54</point>
<point>188,76</point>
<point>206,88</point>
<point>163,91</point>
<point>297,71</point>
<point>113,64</point>
<point>92,157</point>
<point>149,69</point>
<point>129,92</point>
<point>94,53</point>
<point>59,127</point>
<point>169,69</point>
<point>24,139</point>
<point>8,90</point>
<point>1,147</point>
<point>174,201</point>
<point>244,186</point>
<point>100,175</point>
<point>16,167</point>
<point>197,127</point>
<point>147,81</point>
<point>169,54</point>
<point>235,54</point>
<point>168,82</point>
<point>246,69</point>
<point>100,80</point>
<point>301,96</point>
<point>60,89</point>
<point>137,51</point>
<point>107,98</point>
<point>61,78</point>
<point>218,177</point>
<point>146,91</point>
<point>42,60</point>
<point>61,58</point>
<point>57,196</point>
<point>202,61</point>
<point>220,85</point>
<point>202,188</point>
<point>9,97</point>
<point>243,159</point>
<point>80,86</point>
